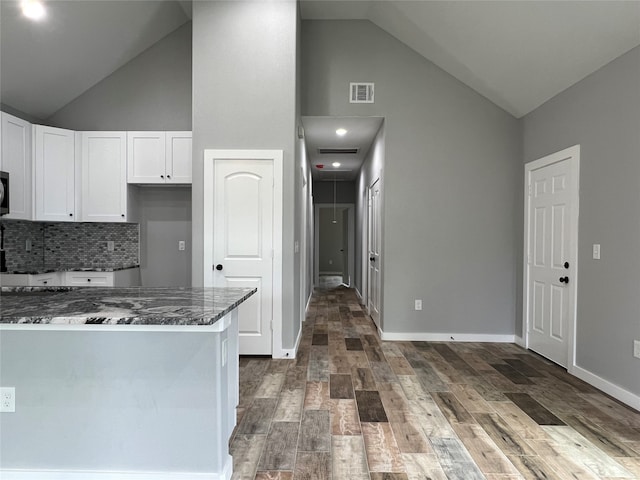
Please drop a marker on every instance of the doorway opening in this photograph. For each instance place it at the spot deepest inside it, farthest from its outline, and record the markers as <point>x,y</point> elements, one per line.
<point>334,241</point>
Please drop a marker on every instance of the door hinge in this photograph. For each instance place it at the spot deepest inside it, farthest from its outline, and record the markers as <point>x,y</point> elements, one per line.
<point>530,190</point>
<point>272,254</point>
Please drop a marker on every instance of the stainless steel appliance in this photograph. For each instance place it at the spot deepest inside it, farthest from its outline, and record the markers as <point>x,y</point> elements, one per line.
<point>4,209</point>
<point>4,193</point>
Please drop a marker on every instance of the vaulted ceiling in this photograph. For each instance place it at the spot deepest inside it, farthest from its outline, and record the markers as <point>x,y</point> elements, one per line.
<point>516,53</point>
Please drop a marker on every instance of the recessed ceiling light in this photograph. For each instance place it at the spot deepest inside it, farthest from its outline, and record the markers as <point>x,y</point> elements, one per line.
<point>341,132</point>
<point>33,9</point>
<point>336,164</point>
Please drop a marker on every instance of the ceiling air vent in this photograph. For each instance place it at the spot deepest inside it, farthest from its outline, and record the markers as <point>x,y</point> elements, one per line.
<point>337,151</point>
<point>361,92</point>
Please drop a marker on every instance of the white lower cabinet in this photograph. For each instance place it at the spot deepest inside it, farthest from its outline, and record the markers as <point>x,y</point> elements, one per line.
<point>88,279</point>
<point>120,278</point>
<point>45,279</point>
<point>129,277</point>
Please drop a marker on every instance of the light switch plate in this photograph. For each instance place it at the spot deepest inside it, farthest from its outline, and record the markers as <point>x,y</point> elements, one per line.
<point>111,246</point>
<point>181,245</point>
<point>636,348</point>
<point>418,304</point>
<point>596,251</point>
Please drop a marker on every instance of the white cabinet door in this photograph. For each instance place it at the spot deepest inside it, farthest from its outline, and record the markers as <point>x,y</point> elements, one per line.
<point>45,280</point>
<point>104,176</point>
<point>54,167</point>
<point>179,159</point>
<point>146,157</point>
<point>16,159</point>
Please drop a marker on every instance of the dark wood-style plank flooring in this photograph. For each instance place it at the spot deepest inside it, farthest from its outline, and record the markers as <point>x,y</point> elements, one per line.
<point>353,407</point>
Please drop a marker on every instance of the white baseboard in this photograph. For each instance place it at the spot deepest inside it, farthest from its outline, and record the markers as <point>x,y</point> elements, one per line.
<point>446,337</point>
<point>306,307</point>
<point>520,341</point>
<point>606,386</point>
<point>101,475</point>
<point>359,295</point>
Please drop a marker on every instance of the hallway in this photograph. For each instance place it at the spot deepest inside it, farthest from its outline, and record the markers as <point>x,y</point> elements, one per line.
<point>355,408</point>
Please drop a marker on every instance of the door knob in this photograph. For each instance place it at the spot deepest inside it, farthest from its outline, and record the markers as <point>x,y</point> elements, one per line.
<point>564,279</point>
<point>566,264</point>
<point>372,259</point>
<point>219,267</point>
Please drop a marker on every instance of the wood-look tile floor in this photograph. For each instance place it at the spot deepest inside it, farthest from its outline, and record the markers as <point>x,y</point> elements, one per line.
<point>353,407</point>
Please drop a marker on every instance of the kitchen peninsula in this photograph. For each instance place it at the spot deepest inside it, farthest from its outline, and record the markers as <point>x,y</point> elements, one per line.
<point>119,382</point>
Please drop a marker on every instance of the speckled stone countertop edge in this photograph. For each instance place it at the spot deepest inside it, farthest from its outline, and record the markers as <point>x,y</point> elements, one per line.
<point>210,309</point>
<point>41,271</point>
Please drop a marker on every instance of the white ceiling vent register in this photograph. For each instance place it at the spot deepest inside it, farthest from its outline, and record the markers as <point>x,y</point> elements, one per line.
<point>361,92</point>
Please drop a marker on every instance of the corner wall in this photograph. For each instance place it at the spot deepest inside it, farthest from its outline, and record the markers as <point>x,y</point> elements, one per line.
<point>244,97</point>
<point>602,114</point>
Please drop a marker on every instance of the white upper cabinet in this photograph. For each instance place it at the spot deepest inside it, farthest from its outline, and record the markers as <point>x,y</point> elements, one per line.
<point>54,174</point>
<point>159,157</point>
<point>104,176</point>
<point>16,159</point>
<point>179,158</point>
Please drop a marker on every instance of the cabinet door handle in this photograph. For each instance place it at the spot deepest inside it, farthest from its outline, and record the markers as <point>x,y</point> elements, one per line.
<point>88,279</point>
<point>71,214</point>
<point>168,176</point>
<point>161,176</point>
<point>122,215</point>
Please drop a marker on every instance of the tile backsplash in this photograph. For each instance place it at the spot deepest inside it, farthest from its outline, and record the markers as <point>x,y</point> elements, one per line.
<point>61,246</point>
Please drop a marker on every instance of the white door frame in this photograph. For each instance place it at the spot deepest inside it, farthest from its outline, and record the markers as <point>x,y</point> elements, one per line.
<point>572,155</point>
<point>316,245</point>
<point>275,156</point>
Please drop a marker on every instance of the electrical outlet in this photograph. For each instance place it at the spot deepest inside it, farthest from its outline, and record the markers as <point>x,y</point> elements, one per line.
<point>636,348</point>
<point>27,245</point>
<point>111,246</point>
<point>181,245</point>
<point>418,304</point>
<point>330,262</point>
<point>596,251</point>
<point>7,399</point>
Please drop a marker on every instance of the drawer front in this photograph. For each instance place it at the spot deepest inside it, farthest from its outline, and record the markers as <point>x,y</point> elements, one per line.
<point>45,280</point>
<point>89,279</point>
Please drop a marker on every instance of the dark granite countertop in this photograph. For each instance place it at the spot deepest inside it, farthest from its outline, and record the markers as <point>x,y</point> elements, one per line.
<point>118,306</point>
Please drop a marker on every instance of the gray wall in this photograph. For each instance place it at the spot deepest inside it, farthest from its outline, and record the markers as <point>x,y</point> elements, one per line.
<point>98,401</point>
<point>451,170</point>
<point>165,219</point>
<point>602,114</point>
<point>151,92</point>
<point>244,97</point>
<point>330,240</point>
<point>323,192</point>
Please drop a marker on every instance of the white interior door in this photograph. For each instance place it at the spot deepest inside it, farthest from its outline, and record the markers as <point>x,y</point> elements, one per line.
<point>374,244</point>
<point>346,277</point>
<point>551,254</point>
<point>243,244</point>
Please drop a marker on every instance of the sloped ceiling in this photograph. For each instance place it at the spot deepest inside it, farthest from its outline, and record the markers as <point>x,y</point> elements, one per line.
<point>518,54</point>
<point>46,64</point>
